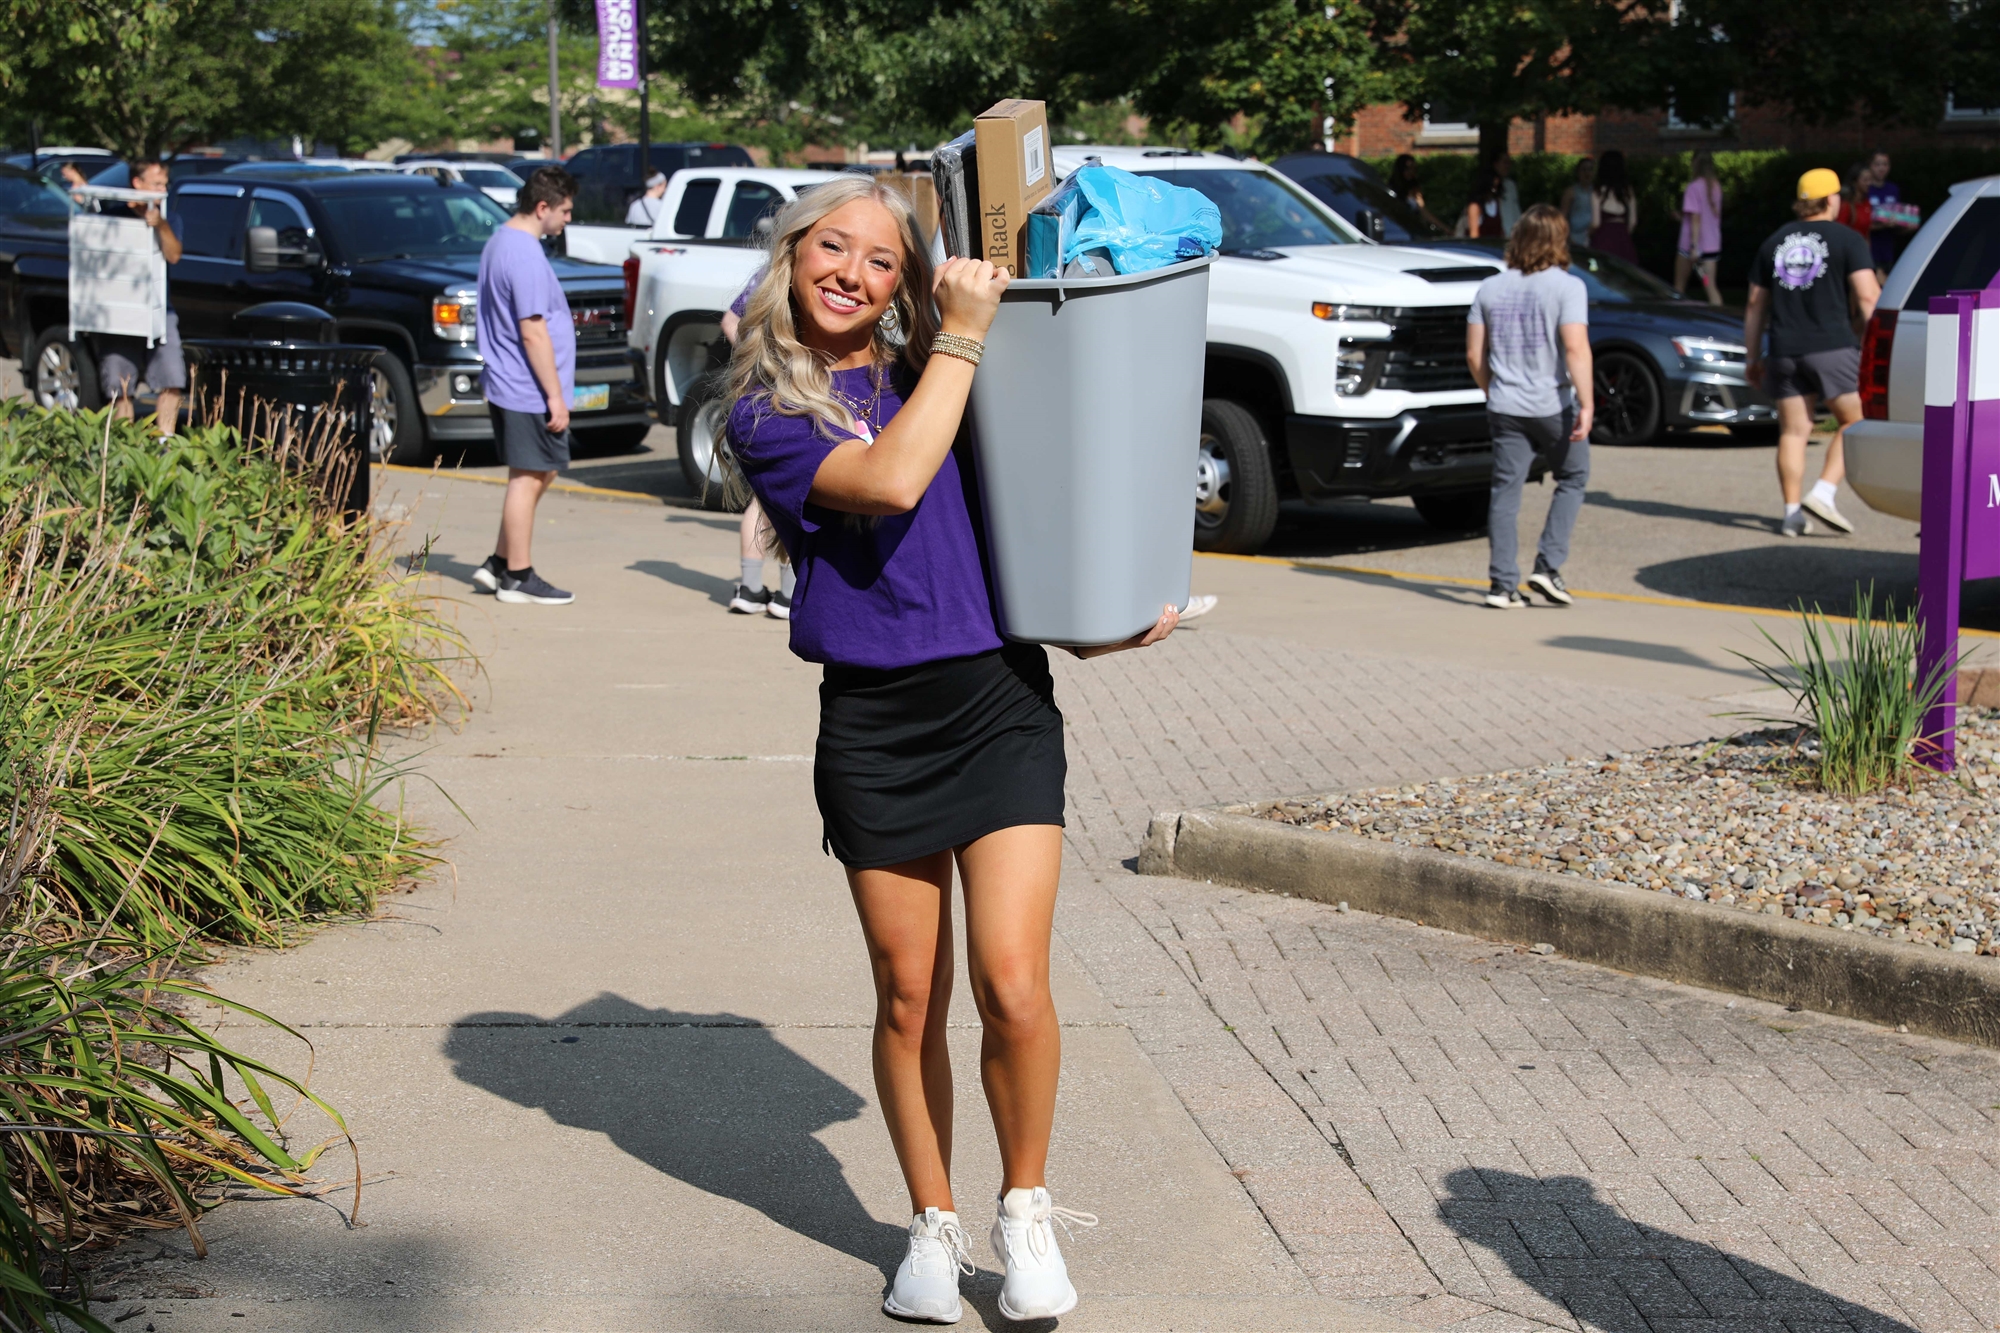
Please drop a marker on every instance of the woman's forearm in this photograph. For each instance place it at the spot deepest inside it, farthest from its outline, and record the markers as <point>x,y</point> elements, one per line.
<point>891,475</point>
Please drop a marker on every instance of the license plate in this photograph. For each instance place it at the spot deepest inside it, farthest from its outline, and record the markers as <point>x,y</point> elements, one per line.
<point>590,398</point>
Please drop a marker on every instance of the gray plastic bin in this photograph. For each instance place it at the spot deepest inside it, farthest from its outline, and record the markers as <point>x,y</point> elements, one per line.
<point>1086,416</point>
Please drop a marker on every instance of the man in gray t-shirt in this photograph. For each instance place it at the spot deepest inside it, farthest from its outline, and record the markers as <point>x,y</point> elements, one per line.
<point>1527,340</point>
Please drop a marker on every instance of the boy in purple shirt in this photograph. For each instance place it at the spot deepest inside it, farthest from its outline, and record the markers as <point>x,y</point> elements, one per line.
<point>528,340</point>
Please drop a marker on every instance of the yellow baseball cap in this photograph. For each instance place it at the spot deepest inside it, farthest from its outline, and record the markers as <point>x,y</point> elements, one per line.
<point>1818,184</point>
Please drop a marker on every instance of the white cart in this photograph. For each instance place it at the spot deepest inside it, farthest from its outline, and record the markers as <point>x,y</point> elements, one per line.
<point>117,275</point>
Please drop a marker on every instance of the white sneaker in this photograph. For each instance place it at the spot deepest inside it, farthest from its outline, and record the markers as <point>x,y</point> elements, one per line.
<point>926,1285</point>
<point>1037,1284</point>
<point>1824,511</point>
<point>1198,606</point>
<point>1795,525</point>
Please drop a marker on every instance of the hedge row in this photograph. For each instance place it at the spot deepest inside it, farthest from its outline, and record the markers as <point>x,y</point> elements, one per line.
<point>1757,189</point>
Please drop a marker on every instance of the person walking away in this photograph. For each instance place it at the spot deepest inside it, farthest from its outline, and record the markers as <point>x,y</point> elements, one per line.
<point>528,337</point>
<point>1527,340</point>
<point>1700,215</point>
<point>1406,185</point>
<point>1482,211</point>
<point>645,210</point>
<point>939,745</point>
<point>1813,286</point>
<point>1510,194</point>
<point>1576,205</point>
<point>1614,209</point>
<point>124,362</point>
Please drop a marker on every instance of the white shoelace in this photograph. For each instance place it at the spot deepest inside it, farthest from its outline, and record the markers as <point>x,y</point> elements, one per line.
<point>956,1247</point>
<point>1038,1226</point>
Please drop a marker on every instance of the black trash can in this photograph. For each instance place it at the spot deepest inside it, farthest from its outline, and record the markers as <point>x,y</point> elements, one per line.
<point>288,384</point>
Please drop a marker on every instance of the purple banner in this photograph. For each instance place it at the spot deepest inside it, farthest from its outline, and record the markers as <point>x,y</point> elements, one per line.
<point>617,43</point>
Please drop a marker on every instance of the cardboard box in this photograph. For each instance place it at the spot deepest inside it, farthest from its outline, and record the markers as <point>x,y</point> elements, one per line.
<point>1011,139</point>
<point>921,191</point>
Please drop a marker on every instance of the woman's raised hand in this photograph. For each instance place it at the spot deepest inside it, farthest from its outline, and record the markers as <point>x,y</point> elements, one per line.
<point>968,296</point>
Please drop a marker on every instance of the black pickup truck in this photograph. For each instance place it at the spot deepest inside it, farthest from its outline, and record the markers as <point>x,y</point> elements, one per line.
<point>395,259</point>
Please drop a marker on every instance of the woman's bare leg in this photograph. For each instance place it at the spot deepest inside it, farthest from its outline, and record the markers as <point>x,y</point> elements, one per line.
<point>1682,265</point>
<point>1010,903</point>
<point>1708,281</point>
<point>906,917</point>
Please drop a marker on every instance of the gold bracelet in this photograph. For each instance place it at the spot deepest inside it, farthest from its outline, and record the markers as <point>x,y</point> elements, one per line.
<point>965,349</point>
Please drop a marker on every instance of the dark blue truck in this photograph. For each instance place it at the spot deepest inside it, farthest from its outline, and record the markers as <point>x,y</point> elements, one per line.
<point>394,259</point>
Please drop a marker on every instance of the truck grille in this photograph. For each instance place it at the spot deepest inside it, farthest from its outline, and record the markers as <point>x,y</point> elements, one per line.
<point>1427,354</point>
<point>598,321</point>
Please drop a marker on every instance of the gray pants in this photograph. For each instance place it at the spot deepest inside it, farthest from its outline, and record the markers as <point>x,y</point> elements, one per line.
<point>1516,441</point>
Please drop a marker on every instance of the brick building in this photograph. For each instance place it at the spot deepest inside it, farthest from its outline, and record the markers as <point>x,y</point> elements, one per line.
<point>1382,130</point>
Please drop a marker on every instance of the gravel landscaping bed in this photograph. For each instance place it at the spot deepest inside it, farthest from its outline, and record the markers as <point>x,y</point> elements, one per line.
<point>1730,825</point>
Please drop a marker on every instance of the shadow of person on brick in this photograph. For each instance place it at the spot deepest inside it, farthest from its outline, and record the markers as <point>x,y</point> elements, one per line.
<point>1579,1252</point>
<point>715,1100</point>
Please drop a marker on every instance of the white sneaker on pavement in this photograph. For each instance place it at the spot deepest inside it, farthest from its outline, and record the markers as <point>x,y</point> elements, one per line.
<point>1795,525</point>
<point>1824,511</point>
<point>926,1285</point>
<point>1037,1285</point>
<point>1198,606</point>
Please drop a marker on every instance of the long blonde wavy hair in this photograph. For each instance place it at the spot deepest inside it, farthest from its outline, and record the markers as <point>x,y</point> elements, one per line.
<point>771,366</point>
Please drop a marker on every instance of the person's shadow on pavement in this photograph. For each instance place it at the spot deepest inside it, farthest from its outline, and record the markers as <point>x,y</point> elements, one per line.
<point>714,1100</point>
<point>1625,1277</point>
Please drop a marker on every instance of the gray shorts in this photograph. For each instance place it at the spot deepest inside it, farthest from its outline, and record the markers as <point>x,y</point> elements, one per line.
<point>1827,374</point>
<point>523,440</point>
<point>123,361</point>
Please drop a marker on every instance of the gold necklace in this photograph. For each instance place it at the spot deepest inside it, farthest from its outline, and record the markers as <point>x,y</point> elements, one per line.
<point>864,414</point>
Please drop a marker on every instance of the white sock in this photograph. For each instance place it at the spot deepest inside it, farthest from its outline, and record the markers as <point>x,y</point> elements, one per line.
<point>787,577</point>
<point>1824,491</point>
<point>753,573</point>
<point>1792,509</point>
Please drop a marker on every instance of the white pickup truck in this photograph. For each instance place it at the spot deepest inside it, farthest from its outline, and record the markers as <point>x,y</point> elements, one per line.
<point>1958,249</point>
<point>1336,366</point>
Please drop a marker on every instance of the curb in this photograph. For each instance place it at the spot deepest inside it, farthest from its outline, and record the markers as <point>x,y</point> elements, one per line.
<point>1634,930</point>
<point>564,487</point>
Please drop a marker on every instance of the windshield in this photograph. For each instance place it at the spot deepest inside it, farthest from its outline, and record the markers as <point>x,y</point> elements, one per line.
<point>1259,211</point>
<point>1348,195</point>
<point>22,197</point>
<point>1615,280</point>
<point>420,224</point>
<point>498,178</point>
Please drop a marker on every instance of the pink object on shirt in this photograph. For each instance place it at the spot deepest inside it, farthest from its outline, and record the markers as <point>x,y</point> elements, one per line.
<point>1701,218</point>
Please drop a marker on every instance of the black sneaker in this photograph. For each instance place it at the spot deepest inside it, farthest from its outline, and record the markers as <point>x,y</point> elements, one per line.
<point>487,577</point>
<point>779,607</point>
<point>1503,598</point>
<point>1550,585</point>
<point>532,588</point>
<point>750,602</point>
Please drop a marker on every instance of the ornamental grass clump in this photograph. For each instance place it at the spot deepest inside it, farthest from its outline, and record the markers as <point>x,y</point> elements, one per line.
<point>198,652</point>
<point>1855,683</point>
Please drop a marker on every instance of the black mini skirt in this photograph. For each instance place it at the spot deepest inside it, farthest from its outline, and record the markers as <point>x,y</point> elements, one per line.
<point>917,760</point>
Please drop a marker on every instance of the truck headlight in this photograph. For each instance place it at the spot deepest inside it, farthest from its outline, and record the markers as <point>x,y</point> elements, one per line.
<point>1350,369</point>
<point>455,316</point>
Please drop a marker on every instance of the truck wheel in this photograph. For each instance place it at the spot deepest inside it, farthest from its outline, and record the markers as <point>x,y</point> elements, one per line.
<point>1628,401</point>
<point>1235,491</point>
<point>63,374</point>
<point>1454,511</point>
<point>396,429</point>
<point>699,440</point>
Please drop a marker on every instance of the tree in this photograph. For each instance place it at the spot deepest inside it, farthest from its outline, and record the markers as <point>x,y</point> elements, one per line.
<point>151,76</point>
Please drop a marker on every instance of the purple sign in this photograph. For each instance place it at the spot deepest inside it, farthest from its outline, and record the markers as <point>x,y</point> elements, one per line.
<point>618,43</point>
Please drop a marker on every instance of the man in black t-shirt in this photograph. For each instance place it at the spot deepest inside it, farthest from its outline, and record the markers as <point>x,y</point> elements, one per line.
<point>1813,284</point>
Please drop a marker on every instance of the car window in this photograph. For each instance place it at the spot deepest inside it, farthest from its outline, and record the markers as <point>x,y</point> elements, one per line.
<point>210,225</point>
<point>1618,282</point>
<point>1348,195</point>
<point>412,225</point>
<point>294,231</point>
<point>1259,211</point>
<point>752,201</point>
<point>495,178</point>
<point>33,200</point>
<point>1965,260</point>
<point>697,201</point>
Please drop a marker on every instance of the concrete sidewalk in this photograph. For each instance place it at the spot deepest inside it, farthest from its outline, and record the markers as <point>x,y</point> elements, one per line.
<point>613,1072</point>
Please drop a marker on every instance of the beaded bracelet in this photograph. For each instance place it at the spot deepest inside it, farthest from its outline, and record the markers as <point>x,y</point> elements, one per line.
<point>965,349</point>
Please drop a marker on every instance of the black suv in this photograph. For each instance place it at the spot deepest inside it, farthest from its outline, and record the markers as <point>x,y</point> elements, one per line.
<point>608,178</point>
<point>34,290</point>
<point>396,261</point>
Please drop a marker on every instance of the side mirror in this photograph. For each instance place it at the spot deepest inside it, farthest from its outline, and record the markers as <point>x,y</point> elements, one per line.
<point>260,249</point>
<point>1372,224</point>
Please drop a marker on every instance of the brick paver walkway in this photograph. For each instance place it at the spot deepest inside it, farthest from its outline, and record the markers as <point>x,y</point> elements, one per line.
<point>1476,1137</point>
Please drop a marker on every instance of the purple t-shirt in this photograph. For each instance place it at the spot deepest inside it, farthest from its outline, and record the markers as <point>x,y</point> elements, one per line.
<point>888,592</point>
<point>742,301</point>
<point>517,283</point>
<point>1882,243</point>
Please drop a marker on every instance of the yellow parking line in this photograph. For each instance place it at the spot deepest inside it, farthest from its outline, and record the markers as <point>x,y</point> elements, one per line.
<point>568,487</point>
<point>1458,581</point>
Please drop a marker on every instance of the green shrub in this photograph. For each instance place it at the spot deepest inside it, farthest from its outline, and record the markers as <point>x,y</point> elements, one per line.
<point>1856,685</point>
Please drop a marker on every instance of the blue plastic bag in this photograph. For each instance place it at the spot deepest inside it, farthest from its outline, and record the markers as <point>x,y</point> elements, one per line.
<point>1145,223</point>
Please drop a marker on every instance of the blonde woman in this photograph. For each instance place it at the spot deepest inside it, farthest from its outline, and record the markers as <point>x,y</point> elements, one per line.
<point>939,745</point>
<point>1700,216</point>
